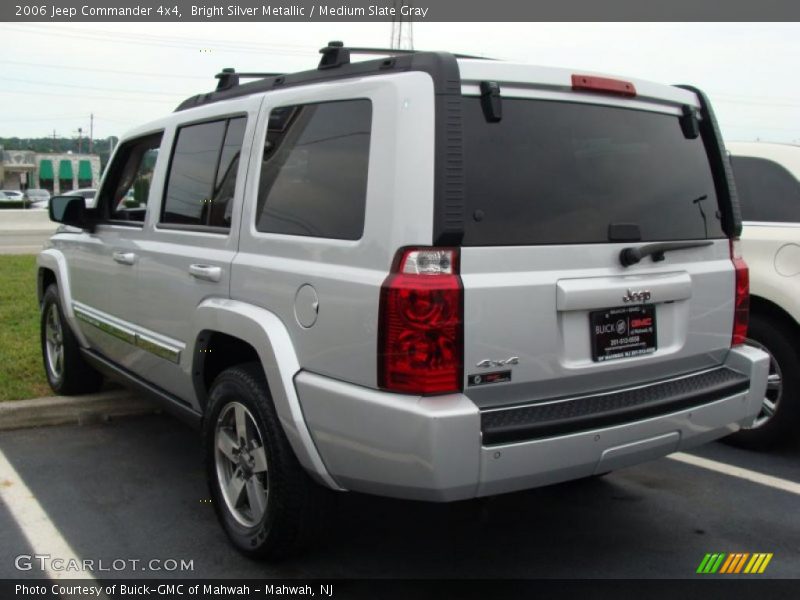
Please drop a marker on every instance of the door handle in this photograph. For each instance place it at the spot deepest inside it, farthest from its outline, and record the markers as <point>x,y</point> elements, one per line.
<point>205,272</point>
<point>124,258</point>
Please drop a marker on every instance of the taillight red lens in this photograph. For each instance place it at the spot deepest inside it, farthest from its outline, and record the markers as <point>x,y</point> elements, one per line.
<point>420,335</point>
<point>741,311</point>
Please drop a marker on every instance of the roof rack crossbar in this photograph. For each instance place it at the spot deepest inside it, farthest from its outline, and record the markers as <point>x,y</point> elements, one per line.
<point>259,75</point>
<point>391,51</point>
<point>336,54</point>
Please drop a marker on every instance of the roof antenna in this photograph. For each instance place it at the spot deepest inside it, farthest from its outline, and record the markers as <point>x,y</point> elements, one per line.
<point>334,55</point>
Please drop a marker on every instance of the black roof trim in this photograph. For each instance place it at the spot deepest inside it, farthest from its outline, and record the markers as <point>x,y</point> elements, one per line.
<point>440,66</point>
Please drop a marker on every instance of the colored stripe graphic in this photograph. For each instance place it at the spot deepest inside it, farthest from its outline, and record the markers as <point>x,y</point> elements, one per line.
<point>711,563</point>
<point>703,564</point>
<point>726,566</point>
<point>734,563</point>
<point>740,564</point>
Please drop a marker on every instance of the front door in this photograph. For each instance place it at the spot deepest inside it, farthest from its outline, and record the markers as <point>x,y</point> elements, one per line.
<point>103,264</point>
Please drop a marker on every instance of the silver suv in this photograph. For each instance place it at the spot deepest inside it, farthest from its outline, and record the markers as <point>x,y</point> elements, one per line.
<point>421,276</point>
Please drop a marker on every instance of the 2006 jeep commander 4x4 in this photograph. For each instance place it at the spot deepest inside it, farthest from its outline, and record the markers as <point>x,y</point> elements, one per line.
<point>421,276</point>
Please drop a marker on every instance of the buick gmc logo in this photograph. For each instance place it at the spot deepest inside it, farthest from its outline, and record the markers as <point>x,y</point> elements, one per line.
<point>636,296</point>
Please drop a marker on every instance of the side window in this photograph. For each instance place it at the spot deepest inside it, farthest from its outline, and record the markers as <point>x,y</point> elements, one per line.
<point>314,174</point>
<point>202,174</point>
<point>767,191</point>
<point>127,186</point>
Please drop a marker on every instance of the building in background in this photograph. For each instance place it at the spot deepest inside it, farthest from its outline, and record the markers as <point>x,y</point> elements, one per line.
<point>58,173</point>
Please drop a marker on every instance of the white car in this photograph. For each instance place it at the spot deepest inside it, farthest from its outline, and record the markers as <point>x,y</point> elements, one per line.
<point>38,198</point>
<point>88,195</point>
<point>768,183</point>
<point>12,195</point>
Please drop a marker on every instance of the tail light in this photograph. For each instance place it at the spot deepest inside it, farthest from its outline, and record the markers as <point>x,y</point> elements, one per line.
<point>741,305</point>
<point>421,330</point>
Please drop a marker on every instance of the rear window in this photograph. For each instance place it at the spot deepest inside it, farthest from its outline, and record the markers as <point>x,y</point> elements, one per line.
<point>767,191</point>
<point>562,173</point>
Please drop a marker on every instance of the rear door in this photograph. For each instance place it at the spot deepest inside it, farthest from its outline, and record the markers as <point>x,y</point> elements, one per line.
<point>555,191</point>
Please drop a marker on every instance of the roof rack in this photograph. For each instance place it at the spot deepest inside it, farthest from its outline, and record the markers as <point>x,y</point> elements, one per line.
<point>391,51</point>
<point>336,54</point>
<point>334,64</point>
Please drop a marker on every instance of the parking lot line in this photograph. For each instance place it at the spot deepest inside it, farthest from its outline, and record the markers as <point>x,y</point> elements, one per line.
<point>726,469</point>
<point>43,536</point>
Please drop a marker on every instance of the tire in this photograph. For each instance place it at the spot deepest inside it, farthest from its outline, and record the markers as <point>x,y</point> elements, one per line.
<point>280,522</point>
<point>779,419</point>
<point>67,372</point>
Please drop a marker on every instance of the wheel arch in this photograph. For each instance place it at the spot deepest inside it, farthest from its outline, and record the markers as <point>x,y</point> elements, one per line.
<point>52,268</point>
<point>243,331</point>
<point>767,308</point>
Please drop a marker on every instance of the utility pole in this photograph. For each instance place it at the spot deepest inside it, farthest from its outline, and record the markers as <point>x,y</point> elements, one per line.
<point>402,31</point>
<point>91,132</point>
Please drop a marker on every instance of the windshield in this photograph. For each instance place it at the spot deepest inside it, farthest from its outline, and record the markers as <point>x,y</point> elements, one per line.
<point>562,173</point>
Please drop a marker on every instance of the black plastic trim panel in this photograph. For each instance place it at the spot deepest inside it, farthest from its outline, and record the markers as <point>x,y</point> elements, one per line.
<point>571,415</point>
<point>720,163</point>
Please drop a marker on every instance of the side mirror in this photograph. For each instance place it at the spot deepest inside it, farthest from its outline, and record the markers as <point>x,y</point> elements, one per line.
<point>70,210</point>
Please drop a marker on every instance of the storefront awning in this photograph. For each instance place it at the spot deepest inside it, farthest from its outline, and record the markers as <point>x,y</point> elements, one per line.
<point>84,170</point>
<point>46,170</point>
<point>65,169</point>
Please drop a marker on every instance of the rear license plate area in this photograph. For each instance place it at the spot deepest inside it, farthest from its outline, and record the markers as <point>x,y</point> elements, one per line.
<point>623,332</point>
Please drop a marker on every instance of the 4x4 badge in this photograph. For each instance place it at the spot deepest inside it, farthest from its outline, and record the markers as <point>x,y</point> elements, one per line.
<point>486,363</point>
<point>636,296</point>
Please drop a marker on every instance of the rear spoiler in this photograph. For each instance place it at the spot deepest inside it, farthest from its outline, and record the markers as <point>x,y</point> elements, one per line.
<point>720,166</point>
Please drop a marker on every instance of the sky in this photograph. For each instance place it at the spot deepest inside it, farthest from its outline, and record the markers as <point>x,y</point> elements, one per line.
<point>55,75</point>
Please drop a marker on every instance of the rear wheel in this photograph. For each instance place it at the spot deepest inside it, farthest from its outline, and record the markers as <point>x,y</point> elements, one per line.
<point>266,502</point>
<point>779,417</point>
<point>67,372</point>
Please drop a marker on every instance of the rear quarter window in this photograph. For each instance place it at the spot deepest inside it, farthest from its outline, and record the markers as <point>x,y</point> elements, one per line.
<point>562,173</point>
<point>314,173</point>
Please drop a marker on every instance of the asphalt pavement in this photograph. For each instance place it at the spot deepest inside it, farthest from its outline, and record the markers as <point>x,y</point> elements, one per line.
<point>133,489</point>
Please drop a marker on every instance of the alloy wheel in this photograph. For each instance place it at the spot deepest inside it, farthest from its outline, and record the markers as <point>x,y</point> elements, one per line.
<point>54,342</point>
<point>241,463</point>
<point>772,396</point>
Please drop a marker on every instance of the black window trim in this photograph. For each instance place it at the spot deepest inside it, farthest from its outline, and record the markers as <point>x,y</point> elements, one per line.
<point>99,209</point>
<point>160,225</point>
<point>294,236</point>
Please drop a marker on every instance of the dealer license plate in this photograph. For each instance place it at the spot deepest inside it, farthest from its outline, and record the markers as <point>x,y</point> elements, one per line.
<point>623,332</point>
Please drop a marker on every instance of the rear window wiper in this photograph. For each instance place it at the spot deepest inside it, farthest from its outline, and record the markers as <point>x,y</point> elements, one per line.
<point>631,256</point>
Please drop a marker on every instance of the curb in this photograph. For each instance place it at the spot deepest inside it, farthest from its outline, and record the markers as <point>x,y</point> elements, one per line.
<point>81,410</point>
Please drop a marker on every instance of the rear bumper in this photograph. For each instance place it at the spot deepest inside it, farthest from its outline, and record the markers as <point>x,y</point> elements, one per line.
<point>443,448</point>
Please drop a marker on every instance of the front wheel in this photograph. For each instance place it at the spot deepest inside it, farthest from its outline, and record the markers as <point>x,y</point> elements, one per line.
<point>266,502</point>
<point>67,372</point>
<point>779,417</point>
